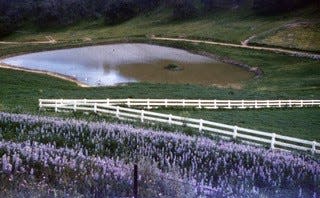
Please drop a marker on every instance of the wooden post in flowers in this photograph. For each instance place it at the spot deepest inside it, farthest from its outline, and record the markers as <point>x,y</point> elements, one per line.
<point>235,132</point>
<point>135,181</point>
<point>273,141</point>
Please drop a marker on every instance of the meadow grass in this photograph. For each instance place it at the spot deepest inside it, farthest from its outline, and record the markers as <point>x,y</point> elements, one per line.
<point>284,77</point>
<point>303,36</point>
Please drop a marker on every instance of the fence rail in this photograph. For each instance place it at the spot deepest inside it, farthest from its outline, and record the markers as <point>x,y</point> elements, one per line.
<point>205,104</point>
<point>263,138</point>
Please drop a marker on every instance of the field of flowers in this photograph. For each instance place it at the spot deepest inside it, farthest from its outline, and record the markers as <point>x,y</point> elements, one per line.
<point>95,158</point>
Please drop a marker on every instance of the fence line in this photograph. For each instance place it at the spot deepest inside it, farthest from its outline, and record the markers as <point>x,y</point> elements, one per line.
<point>205,104</point>
<point>263,138</point>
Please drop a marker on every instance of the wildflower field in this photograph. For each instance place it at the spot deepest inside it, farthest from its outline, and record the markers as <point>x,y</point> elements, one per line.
<point>53,156</point>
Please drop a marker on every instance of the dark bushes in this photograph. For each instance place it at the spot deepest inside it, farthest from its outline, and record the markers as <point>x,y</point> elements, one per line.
<point>48,13</point>
<point>214,4</point>
<point>61,12</point>
<point>118,11</point>
<point>6,27</point>
<point>184,9</point>
<point>278,6</point>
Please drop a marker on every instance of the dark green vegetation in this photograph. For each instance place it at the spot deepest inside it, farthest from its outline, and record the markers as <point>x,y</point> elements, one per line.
<point>278,6</point>
<point>284,77</point>
<point>46,13</point>
<point>173,67</point>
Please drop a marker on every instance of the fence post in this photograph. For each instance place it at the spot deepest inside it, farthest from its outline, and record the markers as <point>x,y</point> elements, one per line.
<point>256,104</point>
<point>229,104</point>
<point>313,150</point>
<point>235,132</point>
<point>85,101</point>
<point>74,106</point>
<point>273,141</point>
<point>118,112</point>
<point>242,104</point>
<point>56,106</point>
<point>166,103</point>
<point>199,103</point>
<point>290,103</point>
<point>170,119</point>
<point>108,101</point>
<point>135,181</point>
<point>301,102</point>
<point>142,115</point>
<point>148,103</point>
<point>128,102</point>
<point>215,103</point>
<point>95,108</point>
<point>268,104</point>
<point>279,103</point>
<point>40,104</point>
<point>183,103</point>
<point>200,125</point>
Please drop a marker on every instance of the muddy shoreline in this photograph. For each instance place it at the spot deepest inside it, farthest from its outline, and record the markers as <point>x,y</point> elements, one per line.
<point>256,70</point>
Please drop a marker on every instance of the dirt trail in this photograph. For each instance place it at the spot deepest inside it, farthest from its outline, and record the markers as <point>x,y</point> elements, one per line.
<point>246,42</point>
<point>50,40</point>
<point>245,46</point>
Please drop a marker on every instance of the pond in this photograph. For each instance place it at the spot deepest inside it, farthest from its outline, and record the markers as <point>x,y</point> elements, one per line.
<point>107,65</point>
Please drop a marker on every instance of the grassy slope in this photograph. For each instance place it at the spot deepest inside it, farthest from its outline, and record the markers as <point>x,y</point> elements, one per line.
<point>285,76</point>
<point>292,122</point>
<point>299,35</point>
<point>230,26</point>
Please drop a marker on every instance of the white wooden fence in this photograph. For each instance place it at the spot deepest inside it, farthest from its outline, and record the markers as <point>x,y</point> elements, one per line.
<point>206,104</point>
<point>264,138</point>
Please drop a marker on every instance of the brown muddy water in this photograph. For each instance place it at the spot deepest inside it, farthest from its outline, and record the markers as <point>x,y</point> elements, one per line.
<point>126,63</point>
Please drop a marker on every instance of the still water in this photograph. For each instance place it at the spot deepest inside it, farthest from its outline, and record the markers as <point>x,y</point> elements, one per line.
<point>127,63</point>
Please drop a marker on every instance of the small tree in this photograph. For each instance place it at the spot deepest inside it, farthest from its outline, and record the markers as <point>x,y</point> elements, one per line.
<point>119,11</point>
<point>48,13</point>
<point>278,6</point>
<point>6,27</point>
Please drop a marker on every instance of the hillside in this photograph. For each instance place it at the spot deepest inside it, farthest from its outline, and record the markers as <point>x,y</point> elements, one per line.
<point>232,25</point>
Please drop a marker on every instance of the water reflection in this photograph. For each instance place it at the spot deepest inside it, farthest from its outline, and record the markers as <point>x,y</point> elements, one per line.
<point>126,63</point>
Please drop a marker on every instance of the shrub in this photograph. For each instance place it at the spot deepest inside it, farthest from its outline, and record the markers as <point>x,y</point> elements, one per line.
<point>184,9</point>
<point>119,11</point>
<point>173,67</point>
<point>278,6</point>
<point>6,27</point>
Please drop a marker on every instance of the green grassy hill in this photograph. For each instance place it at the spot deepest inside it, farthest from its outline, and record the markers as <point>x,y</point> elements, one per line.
<point>221,25</point>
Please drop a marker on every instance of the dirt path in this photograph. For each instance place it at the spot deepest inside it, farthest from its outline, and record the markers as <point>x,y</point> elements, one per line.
<point>245,46</point>
<point>50,40</point>
<point>246,42</point>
